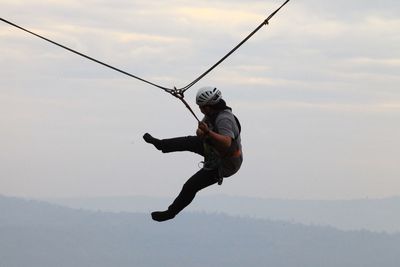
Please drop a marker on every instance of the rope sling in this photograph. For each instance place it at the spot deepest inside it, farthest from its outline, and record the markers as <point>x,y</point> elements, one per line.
<point>178,93</point>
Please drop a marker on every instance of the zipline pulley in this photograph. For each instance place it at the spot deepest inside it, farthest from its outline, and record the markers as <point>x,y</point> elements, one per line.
<point>179,93</point>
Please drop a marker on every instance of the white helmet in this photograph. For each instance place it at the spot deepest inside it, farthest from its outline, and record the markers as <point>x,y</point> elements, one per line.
<point>208,95</point>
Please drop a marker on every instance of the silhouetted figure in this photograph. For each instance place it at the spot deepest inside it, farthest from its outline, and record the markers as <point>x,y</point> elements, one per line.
<point>217,139</point>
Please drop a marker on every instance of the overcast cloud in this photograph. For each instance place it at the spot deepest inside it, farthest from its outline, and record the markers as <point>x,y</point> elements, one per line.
<point>317,92</point>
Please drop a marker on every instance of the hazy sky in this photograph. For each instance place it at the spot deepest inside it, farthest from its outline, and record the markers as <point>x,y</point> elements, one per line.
<point>317,93</point>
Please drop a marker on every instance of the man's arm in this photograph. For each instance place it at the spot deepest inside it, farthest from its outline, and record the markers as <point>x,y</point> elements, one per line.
<point>221,142</point>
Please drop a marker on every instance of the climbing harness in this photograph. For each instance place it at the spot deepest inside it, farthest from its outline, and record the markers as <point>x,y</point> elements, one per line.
<point>178,93</point>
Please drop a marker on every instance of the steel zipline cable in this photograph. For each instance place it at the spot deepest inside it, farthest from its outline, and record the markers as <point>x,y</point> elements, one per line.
<point>265,22</point>
<point>179,93</point>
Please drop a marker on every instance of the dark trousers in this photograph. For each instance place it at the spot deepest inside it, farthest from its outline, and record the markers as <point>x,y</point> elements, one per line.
<point>200,180</point>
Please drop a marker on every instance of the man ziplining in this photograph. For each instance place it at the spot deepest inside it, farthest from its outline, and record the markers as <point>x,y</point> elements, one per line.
<point>217,139</point>
<point>217,135</point>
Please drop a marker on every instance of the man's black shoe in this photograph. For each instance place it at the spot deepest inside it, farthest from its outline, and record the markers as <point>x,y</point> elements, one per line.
<point>161,216</point>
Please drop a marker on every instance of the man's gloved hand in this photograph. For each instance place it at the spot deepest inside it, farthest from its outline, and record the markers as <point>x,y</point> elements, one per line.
<point>202,130</point>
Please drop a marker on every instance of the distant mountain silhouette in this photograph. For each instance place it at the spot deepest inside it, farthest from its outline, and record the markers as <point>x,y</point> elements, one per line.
<point>369,214</point>
<point>38,234</point>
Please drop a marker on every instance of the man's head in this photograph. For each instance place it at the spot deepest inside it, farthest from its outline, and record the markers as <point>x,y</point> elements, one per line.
<point>208,96</point>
